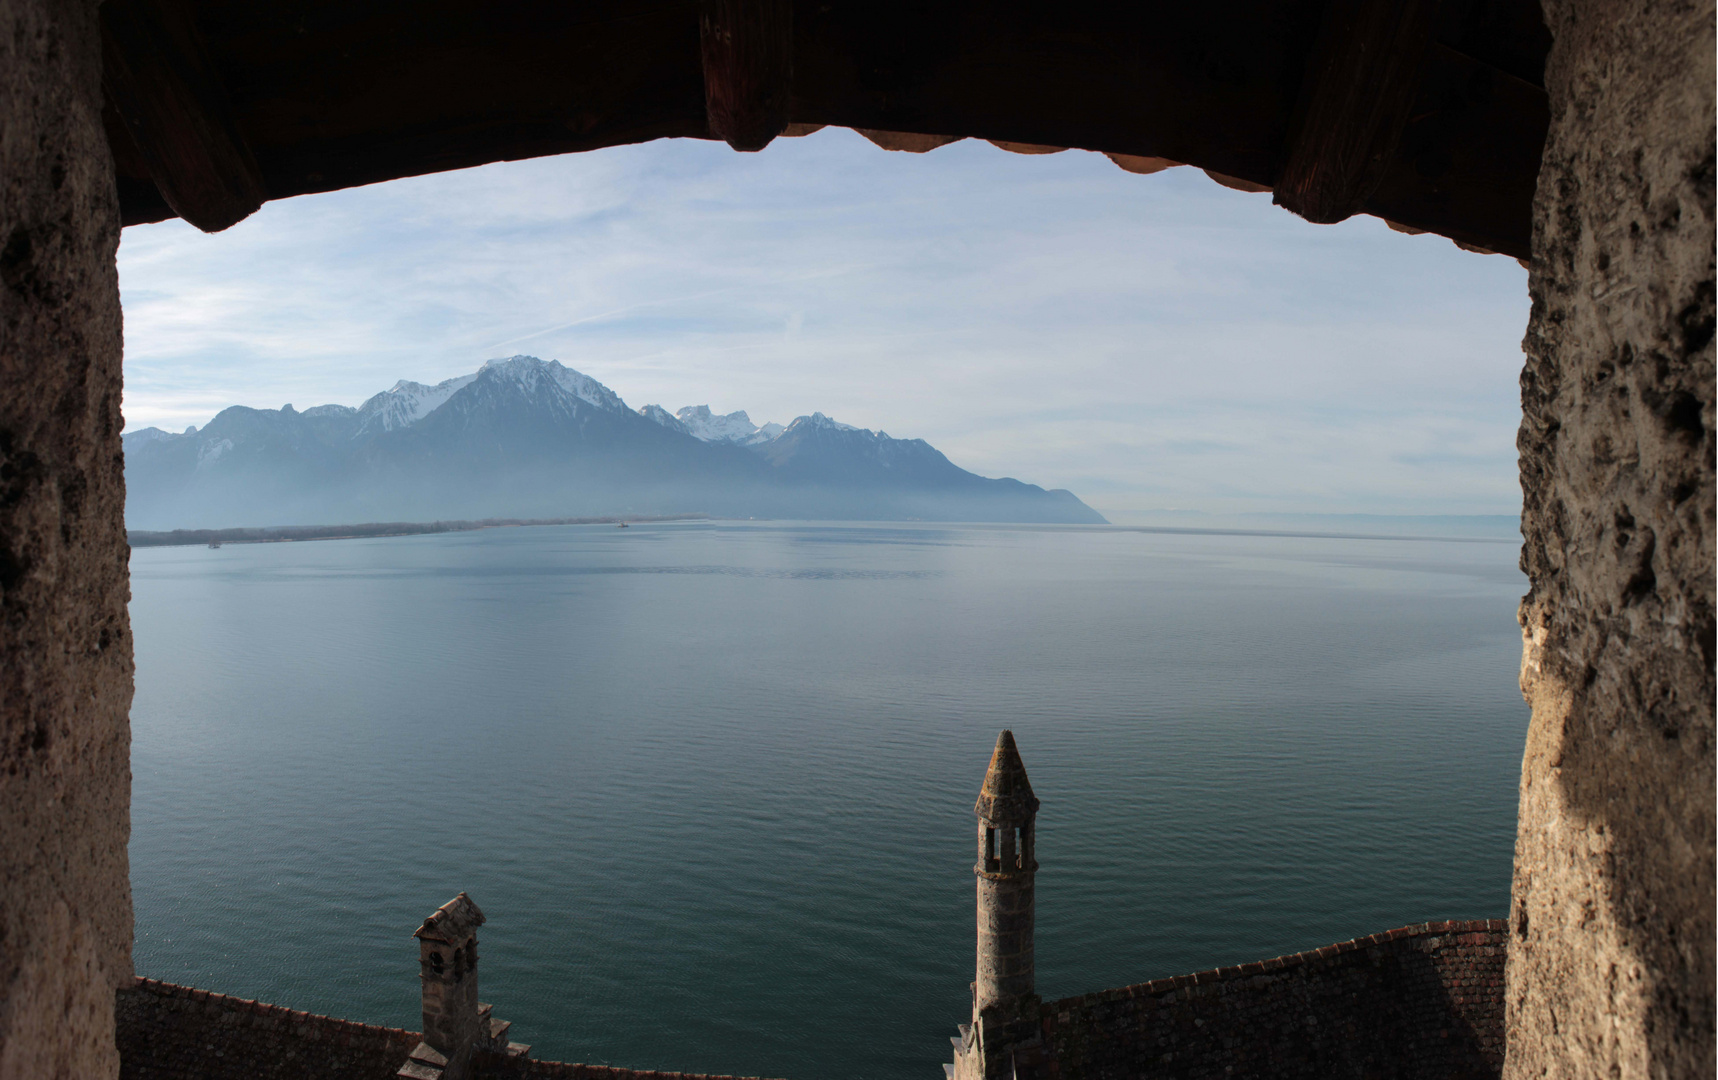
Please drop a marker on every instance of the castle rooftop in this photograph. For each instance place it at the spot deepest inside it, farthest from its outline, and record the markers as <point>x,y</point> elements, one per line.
<point>453,922</point>
<point>1006,794</point>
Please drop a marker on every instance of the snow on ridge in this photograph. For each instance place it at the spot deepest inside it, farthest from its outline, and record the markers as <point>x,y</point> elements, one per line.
<point>818,420</point>
<point>528,370</point>
<point>705,425</point>
<point>146,435</point>
<point>700,423</point>
<point>735,427</point>
<point>210,452</point>
<point>154,434</point>
<point>658,414</point>
<point>408,402</point>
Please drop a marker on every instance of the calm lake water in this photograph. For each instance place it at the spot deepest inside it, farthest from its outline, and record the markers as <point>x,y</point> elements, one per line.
<point>712,783</point>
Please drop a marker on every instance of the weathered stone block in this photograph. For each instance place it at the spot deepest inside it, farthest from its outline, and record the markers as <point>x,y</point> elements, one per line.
<point>65,640</point>
<point>1611,969</point>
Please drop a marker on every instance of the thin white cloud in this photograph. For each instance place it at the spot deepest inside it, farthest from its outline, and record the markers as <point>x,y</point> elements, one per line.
<point>1051,318</point>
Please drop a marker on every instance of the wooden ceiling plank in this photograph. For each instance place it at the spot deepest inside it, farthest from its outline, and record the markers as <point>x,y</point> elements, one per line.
<point>331,96</point>
<point>159,80</point>
<point>1467,164</point>
<point>1361,80</point>
<point>748,69</point>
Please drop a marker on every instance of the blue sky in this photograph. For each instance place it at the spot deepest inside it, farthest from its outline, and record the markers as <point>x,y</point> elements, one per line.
<point>1151,342</point>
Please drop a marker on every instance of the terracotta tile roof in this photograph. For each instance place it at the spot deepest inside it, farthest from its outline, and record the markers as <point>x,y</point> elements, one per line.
<point>171,1032</point>
<point>1420,1001</point>
<point>453,922</point>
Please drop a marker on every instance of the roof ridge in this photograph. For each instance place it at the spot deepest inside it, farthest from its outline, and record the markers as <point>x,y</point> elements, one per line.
<point>162,988</point>
<point>1279,963</point>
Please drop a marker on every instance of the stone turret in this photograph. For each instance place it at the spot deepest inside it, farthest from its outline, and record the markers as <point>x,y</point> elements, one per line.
<point>1003,1041</point>
<point>456,1024</point>
<point>1006,810</point>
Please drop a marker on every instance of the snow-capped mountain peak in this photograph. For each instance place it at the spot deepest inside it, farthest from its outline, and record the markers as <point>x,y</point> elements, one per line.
<point>406,403</point>
<point>145,435</point>
<point>658,414</point>
<point>524,437</point>
<point>701,423</point>
<point>529,372</point>
<point>818,420</point>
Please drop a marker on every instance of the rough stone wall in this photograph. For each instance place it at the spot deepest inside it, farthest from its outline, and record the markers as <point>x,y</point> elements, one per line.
<point>1422,1001</point>
<point>1005,967</point>
<point>1611,967</point>
<point>65,642</point>
<point>452,1023</point>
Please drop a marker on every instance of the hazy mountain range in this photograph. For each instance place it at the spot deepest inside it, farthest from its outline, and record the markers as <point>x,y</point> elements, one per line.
<point>524,437</point>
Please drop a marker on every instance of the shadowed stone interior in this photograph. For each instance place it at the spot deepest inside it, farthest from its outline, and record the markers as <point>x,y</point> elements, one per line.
<point>65,641</point>
<point>1611,966</point>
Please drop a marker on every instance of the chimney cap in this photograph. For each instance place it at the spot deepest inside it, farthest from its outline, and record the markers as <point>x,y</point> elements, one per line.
<point>1006,794</point>
<point>453,922</point>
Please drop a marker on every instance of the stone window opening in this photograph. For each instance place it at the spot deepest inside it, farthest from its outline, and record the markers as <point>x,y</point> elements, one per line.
<point>1586,194</point>
<point>990,846</point>
<point>436,964</point>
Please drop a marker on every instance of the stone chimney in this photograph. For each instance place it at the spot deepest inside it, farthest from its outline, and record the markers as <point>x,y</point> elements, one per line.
<point>1004,1040</point>
<point>456,1024</point>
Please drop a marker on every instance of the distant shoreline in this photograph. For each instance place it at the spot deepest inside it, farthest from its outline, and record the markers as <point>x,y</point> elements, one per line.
<point>291,533</point>
<point>1305,535</point>
<point>141,538</point>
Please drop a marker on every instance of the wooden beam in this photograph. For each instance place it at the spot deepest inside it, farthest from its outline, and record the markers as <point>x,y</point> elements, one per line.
<point>748,69</point>
<point>140,200</point>
<point>912,142</point>
<point>331,94</point>
<point>1468,161</point>
<point>1361,80</point>
<point>172,103</point>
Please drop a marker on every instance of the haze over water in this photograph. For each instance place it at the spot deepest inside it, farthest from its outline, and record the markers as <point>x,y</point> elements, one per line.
<point>712,783</point>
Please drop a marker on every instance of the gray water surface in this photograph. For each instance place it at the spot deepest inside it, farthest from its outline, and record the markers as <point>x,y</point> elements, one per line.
<point>712,783</point>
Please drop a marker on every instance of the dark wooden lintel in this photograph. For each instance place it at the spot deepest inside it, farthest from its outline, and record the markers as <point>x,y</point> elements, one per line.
<point>331,94</point>
<point>1467,162</point>
<point>1361,81</point>
<point>748,69</point>
<point>172,103</point>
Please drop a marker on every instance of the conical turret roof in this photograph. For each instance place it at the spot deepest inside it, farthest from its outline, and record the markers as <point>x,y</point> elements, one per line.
<point>1006,794</point>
